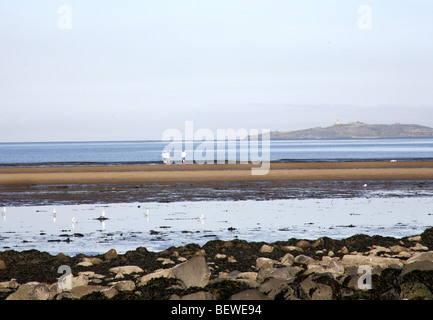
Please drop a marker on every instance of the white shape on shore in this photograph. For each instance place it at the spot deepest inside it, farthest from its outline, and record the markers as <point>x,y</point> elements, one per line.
<point>54,211</point>
<point>4,210</point>
<point>103,214</point>
<point>147,214</point>
<point>365,185</point>
<point>201,218</point>
<point>4,213</point>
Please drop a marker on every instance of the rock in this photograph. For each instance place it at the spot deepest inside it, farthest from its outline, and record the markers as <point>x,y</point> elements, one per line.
<point>316,291</point>
<point>126,270</point>
<point>318,243</point>
<point>247,275</point>
<point>111,254</point>
<point>415,291</point>
<point>110,292</point>
<point>161,273</point>
<point>220,256</point>
<point>423,265</point>
<point>414,238</point>
<point>419,247</point>
<point>92,260</point>
<point>278,273</point>
<point>287,259</point>
<point>343,250</point>
<point>200,295</point>
<point>331,253</point>
<point>266,249</point>
<point>231,259</point>
<point>80,280</point>
<point>12,284</point>
<point>378,249</point>
<point>302,259</point>
<point>84,264</point>
<point>250,294</point>
<point>371,260</point>
<point>272,287</point>
<point>292,248</point>
<point>126,285</point>
<point>2,265</point>
<point>165,261</point>
<point>422,256</point>
<point>264,263</point>
<point>31,291</point>
<point>303,244</point>
<point>193,273</point>
<point>62,257</point>
<point>81,291</point>
<point>249,282</point>
<point>398,249</point>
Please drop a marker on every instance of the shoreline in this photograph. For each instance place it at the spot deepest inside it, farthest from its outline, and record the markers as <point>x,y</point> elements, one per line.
<point>296,171</point>
<point>295,269</point>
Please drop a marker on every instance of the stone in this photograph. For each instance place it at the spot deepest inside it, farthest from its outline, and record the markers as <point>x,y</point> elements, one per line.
<point>62,257</point>
<point>110,292</point>
<point>126,285</point>
<point>422,265</point>
<point>92,260</point>
<point>272,287</point>
<point>421,256</point>
<point>414,239</point>
<point>193,273</point>
<point>111,254</point>
<point>302,259</point>
<point>249,282</point>
<point>247,275</point>
<point>415,291</point>
<point>266,249</point>
<point>287,259</point>
<point>419,247</point>
<point>126,270</point>
<point>318,243</point>
<point>378,249</point>
<point>84,264</point>
<point>231,259</point>
<point>370,260</point>
<point>278,273</point>
<point>2,265</point>
<point>264,263</point>
<point>12,284</point>
<point>200,295</point>
<point>165,261</point>
<point>161,273</point>
<point>331,253</point>
<point>81,291</point>
<point>303,244</point>
<point>220,256</point>
<point>31,291</point>
<point>343,250</point>
<point>250,294</point>
<point>398,249</point>
<point>292,248</point>
<point>316,291</point>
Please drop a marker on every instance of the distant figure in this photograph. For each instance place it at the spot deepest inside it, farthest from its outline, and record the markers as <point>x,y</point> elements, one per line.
<point>183,156</point>
<point>165,156</point>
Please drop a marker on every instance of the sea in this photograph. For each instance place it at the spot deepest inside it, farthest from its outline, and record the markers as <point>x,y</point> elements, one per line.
<point>160,225</point>
<point>126,152</point>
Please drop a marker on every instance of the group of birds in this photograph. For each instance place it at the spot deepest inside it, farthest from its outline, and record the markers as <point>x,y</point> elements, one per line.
<point>101,218</point>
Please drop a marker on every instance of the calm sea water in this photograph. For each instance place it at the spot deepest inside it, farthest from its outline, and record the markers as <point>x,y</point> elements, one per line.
<point>150,151</point>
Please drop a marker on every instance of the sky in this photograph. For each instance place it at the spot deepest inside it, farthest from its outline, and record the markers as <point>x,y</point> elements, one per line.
<point>79,70</point>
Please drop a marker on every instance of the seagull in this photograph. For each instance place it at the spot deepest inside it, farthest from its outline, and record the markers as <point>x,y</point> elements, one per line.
<point>4,210</point>
<point>365,185</point>
<point>147,214</point>
<point>74,221</point>
<point>4,214</point>
<point>54,211</point>
<point>201,218</point>
<point>102,217</point>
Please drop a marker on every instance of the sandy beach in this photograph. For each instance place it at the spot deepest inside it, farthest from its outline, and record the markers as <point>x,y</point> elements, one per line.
<point>303,171</point>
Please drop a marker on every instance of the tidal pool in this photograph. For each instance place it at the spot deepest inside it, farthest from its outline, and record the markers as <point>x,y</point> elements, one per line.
<point>177,223</point>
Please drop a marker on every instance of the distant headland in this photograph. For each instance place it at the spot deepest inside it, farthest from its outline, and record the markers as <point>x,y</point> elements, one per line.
<point>357,130</point>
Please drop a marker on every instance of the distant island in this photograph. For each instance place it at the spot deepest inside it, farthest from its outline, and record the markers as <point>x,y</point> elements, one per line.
<point>357,130</point>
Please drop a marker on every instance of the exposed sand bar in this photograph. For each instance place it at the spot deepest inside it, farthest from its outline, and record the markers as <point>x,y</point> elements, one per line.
<point>308,171</point>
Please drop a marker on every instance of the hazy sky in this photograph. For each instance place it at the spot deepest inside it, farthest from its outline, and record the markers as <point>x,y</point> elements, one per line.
<point>128,70</point>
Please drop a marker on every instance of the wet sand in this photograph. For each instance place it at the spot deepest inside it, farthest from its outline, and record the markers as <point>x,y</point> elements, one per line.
<point>301,171</point>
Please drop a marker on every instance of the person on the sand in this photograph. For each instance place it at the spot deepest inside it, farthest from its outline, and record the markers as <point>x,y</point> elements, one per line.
<point>183,156</point>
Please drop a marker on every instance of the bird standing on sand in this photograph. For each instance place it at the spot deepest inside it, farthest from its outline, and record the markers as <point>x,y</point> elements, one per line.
<point>4,213</point>
<point>147,214</point>
<point>365,185</point>
<point>102,217</point>
<point>54,215</point>
<point>74,221</point>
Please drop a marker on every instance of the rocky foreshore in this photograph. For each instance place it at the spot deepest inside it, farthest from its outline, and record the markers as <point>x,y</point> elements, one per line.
<point>322,269</point>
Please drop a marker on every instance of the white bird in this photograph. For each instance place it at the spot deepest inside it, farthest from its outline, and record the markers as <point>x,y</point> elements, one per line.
<point>201,218</point>
<point>147,212</point>
<point>365,185</point>
<point>4,210</point>
<point>54,211</point>
<point>74,221</point>
<point>4,214</point>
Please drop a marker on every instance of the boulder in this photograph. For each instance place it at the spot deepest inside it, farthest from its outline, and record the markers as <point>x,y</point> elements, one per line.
<point>302,259</point>
<point>287,259</point>
<point>126,285</point>
<point>415,291</point>
<point>161,273</point>
<point>315,291</point>
<point>266,249</point>
<point>303,244</point>
<point>422,265</point>
<point>111,254</point>
<point>81,291</point>
<point>421,256</point>
<point>193,273</point>
<point>31,291</point>
<point>2,265</point>
<point>264,263</point>
<point>126,270</point>
<point>370,260</point>
<point>272,287</point>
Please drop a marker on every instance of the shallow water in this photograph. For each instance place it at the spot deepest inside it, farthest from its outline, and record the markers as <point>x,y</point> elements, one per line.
<point>177,223</point>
